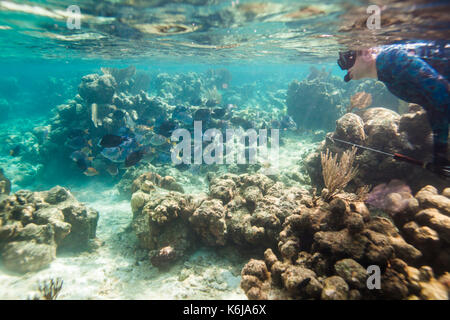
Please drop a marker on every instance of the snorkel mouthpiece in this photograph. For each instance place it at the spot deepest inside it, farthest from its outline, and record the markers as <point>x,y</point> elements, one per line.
<point>346,61</point>
<point>347,77</point>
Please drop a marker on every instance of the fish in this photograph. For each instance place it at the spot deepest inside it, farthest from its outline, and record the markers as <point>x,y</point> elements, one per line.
<point>144,128</point>
<point>90,172</point>
<point>116,154</point>
<point>133,158</point>
<point>158,140</point>
<point>81,159</point>
<point>202,114</point>
<point>111,141</point>
<point>14,152</point>
<point>288,123</point>
<point>166,128</point>
<point>219,112</point>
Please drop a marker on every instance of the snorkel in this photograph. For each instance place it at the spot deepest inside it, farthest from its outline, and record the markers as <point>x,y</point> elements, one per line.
<point>346,61</point>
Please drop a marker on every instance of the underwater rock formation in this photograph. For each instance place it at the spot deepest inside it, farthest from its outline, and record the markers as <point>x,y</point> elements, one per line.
<point>387,131</point>
<point>244,210</point>
<point>34,225</point>
<point>325,253</point>
<point>160,220</point>
<point>97,89</point>
<point>313,104</point>
<point>425,223</point>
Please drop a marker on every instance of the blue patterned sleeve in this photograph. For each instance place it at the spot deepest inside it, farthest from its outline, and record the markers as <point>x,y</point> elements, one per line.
<point>414,80</point>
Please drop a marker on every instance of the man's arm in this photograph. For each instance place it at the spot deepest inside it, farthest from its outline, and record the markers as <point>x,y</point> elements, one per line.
<point>416,81</point>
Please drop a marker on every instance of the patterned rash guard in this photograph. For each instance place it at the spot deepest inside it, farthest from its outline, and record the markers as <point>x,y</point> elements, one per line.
<point>420,75</point>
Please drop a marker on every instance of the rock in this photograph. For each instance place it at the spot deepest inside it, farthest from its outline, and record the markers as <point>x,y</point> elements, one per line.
<point>334,288</point>
<point>404,250</point>
<point>209,222</point>
<point>146,182</point>
<point>301,281</point>
<point>429,198</point>
<point>252,195</point>
<point>270,258</point>
<point>83,223</point>
<point>354,222</point>
<point>40,223</point>
<point>23,256</point>
<point>352,272</point>
<point>339,207</point>
<point>367,245</point>
<point>312,98</point>
<point>381,126</point>
<point>289,249</point>
<point>434,290</point>
<point>255,280</point>
<point>97,89</point>
<point>165,257</point>
<point>56,195</point>
<point>416,125</point>
<point>256,268</point>
<point>350,127</point>
<point>169,183</point>
<point>138,200</point>
<point>446,192</point>
<point>422,236</point>
<point>394,285</point>
<point>435,220</point>
<point>223,189</point>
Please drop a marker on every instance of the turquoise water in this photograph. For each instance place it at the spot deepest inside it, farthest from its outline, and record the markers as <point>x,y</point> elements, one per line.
<point>242,58</point>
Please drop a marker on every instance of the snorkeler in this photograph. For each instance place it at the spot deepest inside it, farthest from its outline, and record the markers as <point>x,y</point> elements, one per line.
<point>414,73</point>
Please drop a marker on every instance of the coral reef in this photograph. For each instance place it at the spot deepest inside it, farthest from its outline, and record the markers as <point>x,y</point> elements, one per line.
<point>313,104</point>
<point>241,210</point>
<point>385,130</point>
<point>326,251</point>
<point>115,101</point>
<point>425,223</point>
<point>33,225</point>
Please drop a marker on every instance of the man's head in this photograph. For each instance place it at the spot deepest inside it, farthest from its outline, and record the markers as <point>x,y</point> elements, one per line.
<point>360,64</point>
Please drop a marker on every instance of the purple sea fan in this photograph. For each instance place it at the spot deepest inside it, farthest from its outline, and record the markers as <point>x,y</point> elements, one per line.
<point>392,197</point>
